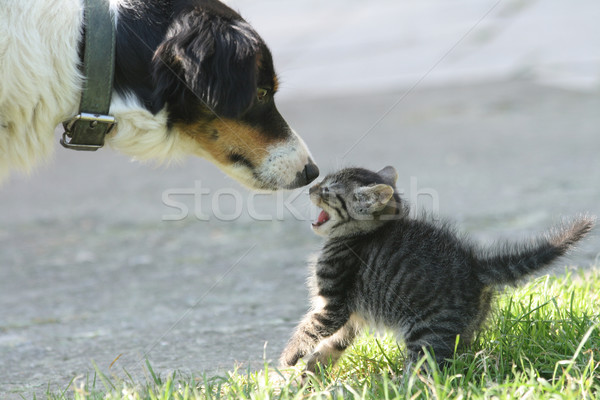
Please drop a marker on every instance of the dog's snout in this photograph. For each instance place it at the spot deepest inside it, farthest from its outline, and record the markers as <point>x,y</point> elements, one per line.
<point>311,171</point>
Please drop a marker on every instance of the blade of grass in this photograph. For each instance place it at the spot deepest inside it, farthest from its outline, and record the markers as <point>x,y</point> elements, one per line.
<point>155,378</point>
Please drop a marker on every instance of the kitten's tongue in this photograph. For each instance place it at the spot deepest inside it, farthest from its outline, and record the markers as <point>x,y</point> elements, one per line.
<point>323,217</point>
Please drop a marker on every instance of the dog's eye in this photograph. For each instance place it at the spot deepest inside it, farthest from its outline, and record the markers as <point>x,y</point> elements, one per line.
<point>261,93</point>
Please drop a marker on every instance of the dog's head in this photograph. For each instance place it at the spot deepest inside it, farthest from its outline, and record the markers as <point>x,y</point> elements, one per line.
<point>217,78</point>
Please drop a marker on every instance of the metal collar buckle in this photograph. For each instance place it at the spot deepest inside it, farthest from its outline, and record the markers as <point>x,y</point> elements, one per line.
<point>94,120</point>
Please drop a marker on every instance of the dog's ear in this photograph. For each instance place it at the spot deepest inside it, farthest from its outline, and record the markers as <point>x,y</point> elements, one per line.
<point>210,59</point>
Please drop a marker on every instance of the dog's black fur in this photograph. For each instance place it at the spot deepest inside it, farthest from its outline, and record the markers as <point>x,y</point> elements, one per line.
<point>188,54</point>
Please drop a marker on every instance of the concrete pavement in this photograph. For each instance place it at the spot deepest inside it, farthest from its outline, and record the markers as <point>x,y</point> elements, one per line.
<point>93,268</point>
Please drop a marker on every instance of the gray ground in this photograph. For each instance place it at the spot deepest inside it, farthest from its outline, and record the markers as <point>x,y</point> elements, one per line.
<point>90,268</point>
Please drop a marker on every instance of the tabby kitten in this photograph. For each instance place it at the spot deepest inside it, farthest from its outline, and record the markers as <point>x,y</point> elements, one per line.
<point>417,278</point>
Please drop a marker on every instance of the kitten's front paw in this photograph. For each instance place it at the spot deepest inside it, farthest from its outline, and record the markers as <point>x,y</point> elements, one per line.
<point>311,362</point>
<point>290,357</point>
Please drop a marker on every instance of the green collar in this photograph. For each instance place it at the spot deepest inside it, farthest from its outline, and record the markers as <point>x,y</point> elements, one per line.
<point>86,130</point>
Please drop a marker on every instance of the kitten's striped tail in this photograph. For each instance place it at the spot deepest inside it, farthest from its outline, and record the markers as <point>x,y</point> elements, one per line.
<point>511,262</point>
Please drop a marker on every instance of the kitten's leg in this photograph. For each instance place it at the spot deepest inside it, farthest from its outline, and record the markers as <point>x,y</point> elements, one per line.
<point>315,326</point>
<point>441,345</point>
<point>331,349</point>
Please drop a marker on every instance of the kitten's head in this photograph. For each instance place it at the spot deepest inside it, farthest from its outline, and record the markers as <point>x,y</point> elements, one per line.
<point>355,200</point>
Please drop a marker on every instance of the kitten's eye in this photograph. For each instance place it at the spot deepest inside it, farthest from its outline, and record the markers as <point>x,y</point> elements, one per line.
<point>261,94</point>
<point>324,190</point>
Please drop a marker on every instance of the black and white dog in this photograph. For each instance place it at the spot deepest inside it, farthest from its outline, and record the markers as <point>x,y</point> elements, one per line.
<point>191,77</point>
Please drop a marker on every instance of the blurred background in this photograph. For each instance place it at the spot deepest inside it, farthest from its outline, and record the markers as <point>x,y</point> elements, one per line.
<point>489,110</point>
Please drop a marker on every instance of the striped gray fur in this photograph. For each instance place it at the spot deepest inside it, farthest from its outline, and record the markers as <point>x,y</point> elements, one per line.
<point>418,278</point>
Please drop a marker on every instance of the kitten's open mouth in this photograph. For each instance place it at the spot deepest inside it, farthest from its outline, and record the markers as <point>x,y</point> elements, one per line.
<point>323,217</point>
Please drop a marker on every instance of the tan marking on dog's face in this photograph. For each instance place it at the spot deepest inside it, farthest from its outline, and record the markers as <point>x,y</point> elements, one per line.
<point>222,139</point>
<point>252,157</point>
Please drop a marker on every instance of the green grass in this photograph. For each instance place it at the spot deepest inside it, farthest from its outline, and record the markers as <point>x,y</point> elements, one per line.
<point>543,341</point>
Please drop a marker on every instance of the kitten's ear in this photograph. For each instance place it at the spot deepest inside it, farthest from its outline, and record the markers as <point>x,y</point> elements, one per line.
<point>374,198</point>
<point>389,174</point>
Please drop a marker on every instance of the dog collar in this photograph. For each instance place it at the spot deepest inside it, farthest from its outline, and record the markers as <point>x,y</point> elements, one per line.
<point>86,130</point>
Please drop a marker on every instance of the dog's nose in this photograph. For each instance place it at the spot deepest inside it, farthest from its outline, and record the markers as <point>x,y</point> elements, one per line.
<point>306,176</point>
<point>310,173</point>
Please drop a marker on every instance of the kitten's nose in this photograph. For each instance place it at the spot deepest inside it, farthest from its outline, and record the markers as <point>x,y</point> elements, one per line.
<point>314,189</point>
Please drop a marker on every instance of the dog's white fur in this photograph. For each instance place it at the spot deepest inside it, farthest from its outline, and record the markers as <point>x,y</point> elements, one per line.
<point>39,77</point>
<point>40,86</point>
